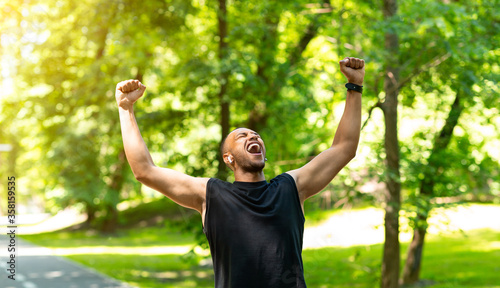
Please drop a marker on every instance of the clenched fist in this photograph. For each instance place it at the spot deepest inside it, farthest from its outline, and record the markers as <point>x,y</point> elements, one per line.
<point>353,69</point>
<point>127,92</point>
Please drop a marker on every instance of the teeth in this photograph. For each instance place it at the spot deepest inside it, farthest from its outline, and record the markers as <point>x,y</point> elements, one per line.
<point>252,147</point>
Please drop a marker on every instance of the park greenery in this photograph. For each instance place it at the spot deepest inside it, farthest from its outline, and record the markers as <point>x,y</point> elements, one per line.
<point>453,258</point>
<point>430,104</point>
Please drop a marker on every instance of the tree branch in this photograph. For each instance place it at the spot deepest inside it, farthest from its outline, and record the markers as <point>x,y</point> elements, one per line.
<point>258,116</point>
<point>310,33</point>
<point>379,105</point>
<point>436,61</point>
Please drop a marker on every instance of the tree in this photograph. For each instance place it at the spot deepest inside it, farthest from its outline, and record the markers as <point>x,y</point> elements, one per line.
<point>413,261</point>
<point>75,68</point>
<point>224,82</point>
<point>391,258</point>
<point>463,69</point>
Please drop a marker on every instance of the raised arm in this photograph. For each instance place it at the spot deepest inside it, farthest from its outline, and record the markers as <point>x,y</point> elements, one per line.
<point>183,189</point>
<point>315,175</point>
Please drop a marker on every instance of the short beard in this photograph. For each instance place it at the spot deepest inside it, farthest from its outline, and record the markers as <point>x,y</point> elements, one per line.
<point>253,167</point>
<point>249,166</point>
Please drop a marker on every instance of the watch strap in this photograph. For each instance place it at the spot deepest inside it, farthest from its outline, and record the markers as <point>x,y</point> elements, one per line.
<point>351,86</point>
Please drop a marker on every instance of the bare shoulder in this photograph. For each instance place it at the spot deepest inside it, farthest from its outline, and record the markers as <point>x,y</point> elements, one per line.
<point>293,173</point>
<point>296,177</point>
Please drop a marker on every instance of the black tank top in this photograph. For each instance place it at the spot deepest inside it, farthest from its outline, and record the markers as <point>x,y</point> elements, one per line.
<point>255,232</point>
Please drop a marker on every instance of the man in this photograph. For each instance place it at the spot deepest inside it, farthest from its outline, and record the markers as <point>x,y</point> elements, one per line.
<point>254,228</point>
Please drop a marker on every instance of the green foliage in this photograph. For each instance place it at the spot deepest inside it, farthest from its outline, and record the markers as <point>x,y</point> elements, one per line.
<point>446,48</point>
<point>63,62</point>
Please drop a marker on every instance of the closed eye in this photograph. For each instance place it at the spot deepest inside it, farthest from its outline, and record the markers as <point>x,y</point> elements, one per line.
<point>244,135</point>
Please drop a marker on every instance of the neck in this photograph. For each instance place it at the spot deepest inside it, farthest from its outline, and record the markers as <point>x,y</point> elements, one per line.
<point>245,176</point>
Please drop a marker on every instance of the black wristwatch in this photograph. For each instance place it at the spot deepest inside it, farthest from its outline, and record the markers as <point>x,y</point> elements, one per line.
<point>354,87</point>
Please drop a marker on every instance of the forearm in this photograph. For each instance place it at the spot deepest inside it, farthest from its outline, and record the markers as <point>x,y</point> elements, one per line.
<point>136,150</point>
<point>315,175</point>
<point>349,127</point>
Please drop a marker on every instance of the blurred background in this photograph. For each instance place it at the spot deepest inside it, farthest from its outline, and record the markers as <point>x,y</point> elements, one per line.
<point>431,125</point>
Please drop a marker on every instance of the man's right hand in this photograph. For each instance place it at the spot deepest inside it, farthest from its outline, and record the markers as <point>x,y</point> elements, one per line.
<point>127,92</point>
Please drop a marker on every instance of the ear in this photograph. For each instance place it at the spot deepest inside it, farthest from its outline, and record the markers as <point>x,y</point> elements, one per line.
<point>228,158</point>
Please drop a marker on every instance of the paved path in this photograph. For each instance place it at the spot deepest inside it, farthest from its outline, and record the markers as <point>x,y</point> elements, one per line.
<point>42,270</point>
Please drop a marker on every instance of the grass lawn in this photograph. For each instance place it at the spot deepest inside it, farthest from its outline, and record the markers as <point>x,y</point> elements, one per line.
<point>150,270</point>
<point>457,260</point>
<point>470,260</point>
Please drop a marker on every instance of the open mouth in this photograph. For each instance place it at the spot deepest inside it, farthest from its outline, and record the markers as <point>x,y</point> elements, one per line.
<point>254,149</point>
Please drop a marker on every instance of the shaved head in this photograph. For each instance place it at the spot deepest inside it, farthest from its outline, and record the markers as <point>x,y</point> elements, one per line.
<point>224,147</point>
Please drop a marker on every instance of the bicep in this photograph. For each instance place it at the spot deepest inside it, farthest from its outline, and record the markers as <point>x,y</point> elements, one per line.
<point>315,175</point>
<point>183,189</point>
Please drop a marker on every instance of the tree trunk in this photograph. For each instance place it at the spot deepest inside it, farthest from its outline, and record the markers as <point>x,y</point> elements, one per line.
<point>117,179</point>
<point>391,257</point>
<point>411,272</point>
<point>414,257</point>
<point>222,172</point>
<point>111,219</point>
<point>257,117</point>
<point>90,210</point>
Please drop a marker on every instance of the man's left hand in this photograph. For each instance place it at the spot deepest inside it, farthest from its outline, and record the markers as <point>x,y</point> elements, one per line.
<point>353,69</point>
